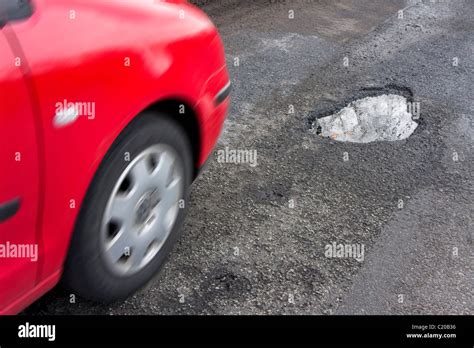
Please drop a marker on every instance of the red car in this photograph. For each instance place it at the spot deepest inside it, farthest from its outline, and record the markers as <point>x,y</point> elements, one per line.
<point>108,110</point>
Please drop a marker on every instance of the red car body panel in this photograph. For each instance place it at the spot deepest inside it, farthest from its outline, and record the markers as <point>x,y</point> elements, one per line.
<point>18,175</point>
<point>119,57</point>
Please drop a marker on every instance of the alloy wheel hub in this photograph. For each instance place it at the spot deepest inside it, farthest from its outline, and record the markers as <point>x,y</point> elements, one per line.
<point>145,206</point>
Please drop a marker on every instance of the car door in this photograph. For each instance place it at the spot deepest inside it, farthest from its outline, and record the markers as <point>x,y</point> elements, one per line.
<point>19,169</point>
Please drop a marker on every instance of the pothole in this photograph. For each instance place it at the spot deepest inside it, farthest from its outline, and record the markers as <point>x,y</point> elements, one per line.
<point>387,117</point>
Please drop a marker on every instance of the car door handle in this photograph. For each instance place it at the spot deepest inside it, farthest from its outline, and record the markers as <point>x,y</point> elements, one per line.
<point>9,209</point>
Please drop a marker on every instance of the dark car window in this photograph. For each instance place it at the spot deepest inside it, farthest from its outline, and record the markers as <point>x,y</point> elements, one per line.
<point>11,10</point>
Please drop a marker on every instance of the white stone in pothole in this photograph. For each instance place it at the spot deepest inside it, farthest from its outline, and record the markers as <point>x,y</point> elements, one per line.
<point>382,118</point>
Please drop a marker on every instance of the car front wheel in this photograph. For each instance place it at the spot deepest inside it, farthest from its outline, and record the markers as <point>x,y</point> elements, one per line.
<point>133,211</point>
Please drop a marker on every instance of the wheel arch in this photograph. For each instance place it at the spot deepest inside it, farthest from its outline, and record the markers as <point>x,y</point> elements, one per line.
<point>186,117</point>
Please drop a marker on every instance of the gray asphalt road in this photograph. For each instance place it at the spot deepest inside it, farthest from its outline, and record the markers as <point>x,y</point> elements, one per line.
<point>255,240</point>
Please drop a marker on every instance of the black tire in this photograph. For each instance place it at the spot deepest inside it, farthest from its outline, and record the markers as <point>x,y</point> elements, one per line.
<point>85,272</point>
